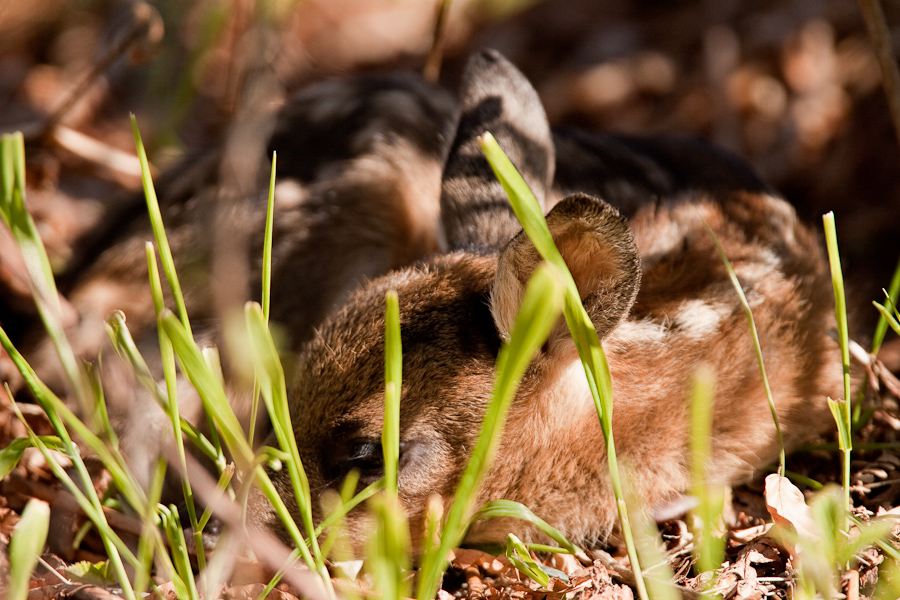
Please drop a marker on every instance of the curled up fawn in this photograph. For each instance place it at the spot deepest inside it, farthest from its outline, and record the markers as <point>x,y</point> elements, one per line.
<point>654,286</point>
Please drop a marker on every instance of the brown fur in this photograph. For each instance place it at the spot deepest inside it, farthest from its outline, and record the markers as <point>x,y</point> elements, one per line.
<point>660,298</point>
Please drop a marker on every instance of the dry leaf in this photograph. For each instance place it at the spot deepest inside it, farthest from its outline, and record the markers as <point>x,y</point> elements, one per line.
<point>787,506</point>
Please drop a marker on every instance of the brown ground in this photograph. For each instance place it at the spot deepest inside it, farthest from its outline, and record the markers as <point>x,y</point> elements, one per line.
<point>791,85</point>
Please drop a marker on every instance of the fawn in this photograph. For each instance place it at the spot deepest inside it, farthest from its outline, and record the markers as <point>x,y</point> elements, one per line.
<point>654,286</point>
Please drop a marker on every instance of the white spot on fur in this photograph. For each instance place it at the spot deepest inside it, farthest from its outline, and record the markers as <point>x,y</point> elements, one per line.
<point>765,264</point>
<point>570,397</point>
<point>667,236</point>
<point>289,194</point>
<point>698,319</point>
<point>634,333</point>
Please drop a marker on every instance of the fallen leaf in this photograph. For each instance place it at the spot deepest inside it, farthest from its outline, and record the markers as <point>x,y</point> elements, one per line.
<point>787,506</point>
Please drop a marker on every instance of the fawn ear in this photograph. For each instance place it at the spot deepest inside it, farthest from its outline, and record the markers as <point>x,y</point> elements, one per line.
<point>599,249</point>
<point>495,97</point>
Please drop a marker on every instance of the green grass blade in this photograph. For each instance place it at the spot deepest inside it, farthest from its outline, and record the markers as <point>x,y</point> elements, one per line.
<point>184,583</point>
<point>388,556</point>
<point>90,504</point>
<point>12,453</point>
<point>582,329</point>
<point>124,345</point>
<point>171,406</point>
<point>520,557</point>
<point>159,232</point>
<point>735,282</point>
<point>709,548</point>
<point>845,425</point>
<point>61,418</point>
<point>149,532</point>
<point>393,376</point>
<point>43,287</point>
<point>210,389</point>
<point>266,281</point>
<point>347,506</point>
<point>496,509</point>
<point>270,376</point>
<point>538,314</point>
<point>887,318</point>
<point>656,572</point>
<point>26,546</point>
<point>267,243</point>
<point>881,328</point>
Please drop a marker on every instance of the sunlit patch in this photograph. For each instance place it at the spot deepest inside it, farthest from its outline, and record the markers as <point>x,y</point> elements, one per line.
<point>697,318</point>
<point>634,333</point>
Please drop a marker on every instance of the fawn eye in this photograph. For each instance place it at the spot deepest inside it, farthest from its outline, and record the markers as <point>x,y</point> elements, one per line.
<point>367,457</point>
<point>361,454</point>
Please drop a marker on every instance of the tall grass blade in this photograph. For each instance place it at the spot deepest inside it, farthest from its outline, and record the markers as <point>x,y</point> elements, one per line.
<point>388,556</point>
<point>43,287</point>
<point>167,354</point>
<point>582,329</point>
<point>844,415</point>
<point>159,232</point>
<point>709,548</point>
<point>756,344</point>
<point>538,314</point>
<point>393,376</point>
<point>266,281</point>
<point>26,546</point>
<point>267,243</point>
<point>270,377</point>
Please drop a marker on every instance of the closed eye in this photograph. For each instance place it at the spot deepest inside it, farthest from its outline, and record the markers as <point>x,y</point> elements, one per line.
<point>364,455</point>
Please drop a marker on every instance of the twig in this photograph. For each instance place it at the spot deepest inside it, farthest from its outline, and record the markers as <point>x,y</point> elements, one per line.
<point>146,25</point>
<point>21,486</point>
<point>432,70</point>
<point>124,168</point>
<point>876,24</point>
<point>72,591</point>
<point>52,570</point>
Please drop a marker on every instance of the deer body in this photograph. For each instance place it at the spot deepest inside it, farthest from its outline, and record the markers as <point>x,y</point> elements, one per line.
<point>655,288</point>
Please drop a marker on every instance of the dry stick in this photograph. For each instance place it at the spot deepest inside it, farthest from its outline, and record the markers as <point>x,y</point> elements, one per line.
<point>66,501</point>
<point>146,24</point>
<point>432,70</point>
<point>873,15</point>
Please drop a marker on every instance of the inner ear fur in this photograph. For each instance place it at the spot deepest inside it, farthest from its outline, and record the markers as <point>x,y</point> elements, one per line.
<point>599,249</point>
